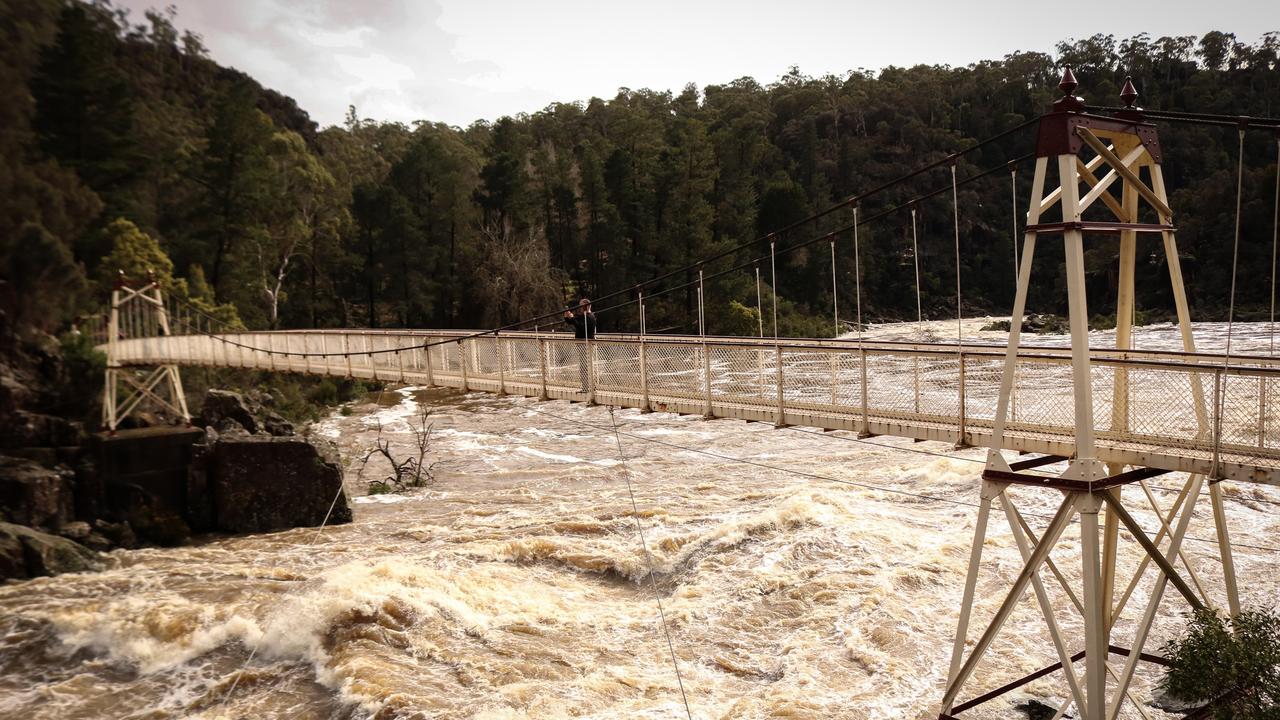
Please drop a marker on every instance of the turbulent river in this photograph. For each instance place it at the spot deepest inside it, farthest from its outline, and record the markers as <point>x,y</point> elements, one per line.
<point>821,581</point>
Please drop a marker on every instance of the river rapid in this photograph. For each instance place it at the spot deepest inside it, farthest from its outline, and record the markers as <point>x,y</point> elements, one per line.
<point>821,581</point>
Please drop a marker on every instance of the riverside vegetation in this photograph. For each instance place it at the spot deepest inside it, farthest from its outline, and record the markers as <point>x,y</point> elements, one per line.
<point>111,117</point>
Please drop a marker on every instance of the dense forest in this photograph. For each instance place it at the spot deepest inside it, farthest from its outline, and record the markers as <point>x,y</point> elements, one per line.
<point>121,138</point>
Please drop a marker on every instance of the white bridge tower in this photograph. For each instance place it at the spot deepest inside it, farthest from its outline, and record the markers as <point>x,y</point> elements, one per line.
<point>138,312</point>
<point>1079,147</point>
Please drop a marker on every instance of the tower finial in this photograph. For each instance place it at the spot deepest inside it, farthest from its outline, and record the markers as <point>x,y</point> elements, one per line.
<point>1128,94</point>
<point>1068,102</point>
<point>1068,83</point>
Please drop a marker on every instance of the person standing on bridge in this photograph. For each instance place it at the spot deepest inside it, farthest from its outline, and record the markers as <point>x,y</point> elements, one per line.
<point>584,328</point>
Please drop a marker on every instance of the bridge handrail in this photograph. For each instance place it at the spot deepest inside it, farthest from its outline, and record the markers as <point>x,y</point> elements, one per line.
<point>1180,411</point>
<point>940,347</point>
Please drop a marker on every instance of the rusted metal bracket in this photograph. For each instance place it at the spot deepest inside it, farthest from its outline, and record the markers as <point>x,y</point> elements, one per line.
<point>1019,478</point>
<point>1093,226</point>
<point>1026,679</point>
<point>1058,136</point>
<point>1036,462</point>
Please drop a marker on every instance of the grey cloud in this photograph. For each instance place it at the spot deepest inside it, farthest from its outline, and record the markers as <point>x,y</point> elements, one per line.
<point>393,56</point>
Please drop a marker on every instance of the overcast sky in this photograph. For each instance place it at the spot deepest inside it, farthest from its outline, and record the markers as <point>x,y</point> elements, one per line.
<point>461,60</point>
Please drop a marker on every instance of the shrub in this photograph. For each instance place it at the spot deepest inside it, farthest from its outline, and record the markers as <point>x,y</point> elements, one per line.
<point>1231,663</point>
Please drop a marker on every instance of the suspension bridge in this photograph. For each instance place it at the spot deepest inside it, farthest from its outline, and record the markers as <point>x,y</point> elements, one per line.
<point>1116,416</point>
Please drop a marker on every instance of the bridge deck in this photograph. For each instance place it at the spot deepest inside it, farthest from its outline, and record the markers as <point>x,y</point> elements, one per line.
<point>1154,409</point>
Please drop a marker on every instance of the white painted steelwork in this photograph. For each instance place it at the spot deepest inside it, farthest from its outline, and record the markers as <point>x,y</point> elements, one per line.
<point>833,384</point>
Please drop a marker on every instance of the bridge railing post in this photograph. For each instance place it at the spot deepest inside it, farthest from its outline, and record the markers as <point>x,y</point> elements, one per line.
<point>962,415</point>
<point>782,416</point>
<point>113,355</point>
<point>542,368</point>
<point>462,358</point>
<point>346,352</point>
<point>502,373</point>
<point>706,376</point>
<point>426,359</point>
<point>833,361</point>
<point>1219,397</point>
<point>866,411</point>
<point>1262,412</point>
<point>591,372</point>
<point>644,376</point>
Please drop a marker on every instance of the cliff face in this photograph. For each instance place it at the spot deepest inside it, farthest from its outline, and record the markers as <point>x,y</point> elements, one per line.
<point>43,400</point>
<point>62,485</point>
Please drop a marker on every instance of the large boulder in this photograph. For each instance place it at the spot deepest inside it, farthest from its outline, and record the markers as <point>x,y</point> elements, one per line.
<point>259,483</point>
<point>225,411</point>
<point>23,429</point>
<point>34,495</point>
<point>26,553</point>
<point>224,406</point>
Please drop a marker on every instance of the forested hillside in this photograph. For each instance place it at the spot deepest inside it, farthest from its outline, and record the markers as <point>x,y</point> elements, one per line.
<point>109,117</point>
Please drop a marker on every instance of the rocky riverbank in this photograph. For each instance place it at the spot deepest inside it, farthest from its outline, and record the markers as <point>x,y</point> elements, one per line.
<point>67,495</point>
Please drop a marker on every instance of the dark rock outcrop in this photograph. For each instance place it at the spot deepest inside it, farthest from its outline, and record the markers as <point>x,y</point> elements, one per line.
<point>222,407</point>
<point>260,483</point>
<point>78,531</point>
<point>24,429</point>
<point>142,477</point>
<point>226,411</point>
<point>31,494</point>
<point>1036,710</point>
<point>1170,703</point>
<point>118,534</point>
<point>27,553</point>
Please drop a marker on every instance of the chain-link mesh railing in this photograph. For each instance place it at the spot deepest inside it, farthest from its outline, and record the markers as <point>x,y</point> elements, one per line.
<point>1159,405</point>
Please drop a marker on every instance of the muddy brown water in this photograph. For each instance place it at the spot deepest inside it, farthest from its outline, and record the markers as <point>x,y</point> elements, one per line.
<point>515,585</point>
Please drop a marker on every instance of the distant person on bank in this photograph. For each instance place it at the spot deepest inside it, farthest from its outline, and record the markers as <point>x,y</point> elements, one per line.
<point>584,328</point>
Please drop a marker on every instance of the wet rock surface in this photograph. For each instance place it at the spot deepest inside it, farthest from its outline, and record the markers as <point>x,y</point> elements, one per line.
<point>1170,703</point>
<point>27,553</point>
<point>35,495</point>
<point>225,410</point>
<point>260,483</point>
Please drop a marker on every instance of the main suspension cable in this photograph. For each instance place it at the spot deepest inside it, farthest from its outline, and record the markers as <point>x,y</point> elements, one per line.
<point>1220,390</point>
<point>209,332</point>
<point>819,238</point>
<point>1190,118</point>
<point>852,200</point>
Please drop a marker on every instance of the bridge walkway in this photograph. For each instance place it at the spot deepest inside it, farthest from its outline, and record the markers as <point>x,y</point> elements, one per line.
<point>924,391</point>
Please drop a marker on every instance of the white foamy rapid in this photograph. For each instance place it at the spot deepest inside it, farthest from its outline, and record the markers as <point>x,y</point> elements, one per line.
<point>516,585</point>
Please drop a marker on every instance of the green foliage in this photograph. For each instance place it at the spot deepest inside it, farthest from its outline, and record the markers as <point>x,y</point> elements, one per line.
<point>46,279</point>
<point>383,224</point>
<point>81,356</point>
<point>1232,663</point>
<point>79,390</point>
<point>134,256</point>
<point>740,320</point>
<point>299,398</point>
<point>329,392</point>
